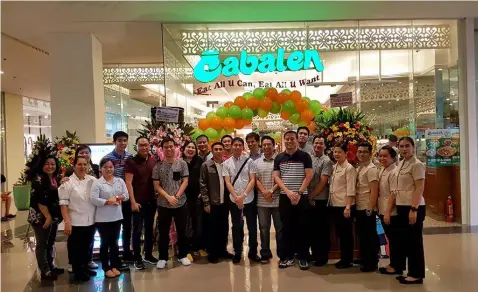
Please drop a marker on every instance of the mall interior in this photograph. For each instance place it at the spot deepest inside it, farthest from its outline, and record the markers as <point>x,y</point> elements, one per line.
<point>95,68</point>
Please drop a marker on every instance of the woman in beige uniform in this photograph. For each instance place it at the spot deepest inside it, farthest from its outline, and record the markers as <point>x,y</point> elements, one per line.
<point>386,205</point>
<point>342,202</point>
<point>411,213</point>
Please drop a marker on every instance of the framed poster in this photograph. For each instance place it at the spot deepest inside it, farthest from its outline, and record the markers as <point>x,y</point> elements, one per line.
<point>442,147</point>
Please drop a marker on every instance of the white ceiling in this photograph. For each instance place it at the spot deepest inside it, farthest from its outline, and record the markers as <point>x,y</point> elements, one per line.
<point>130,32</point>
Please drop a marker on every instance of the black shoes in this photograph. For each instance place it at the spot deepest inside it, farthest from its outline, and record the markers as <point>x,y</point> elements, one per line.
<point>254,258</point>
<point>90,273</point>
<point>123,267</point>
<point>139,265</point>
<point>51,276</point>
<point>365,269</point>
<point>128,258</point>
<point>226,255</point>
<point>320,263</point>
<point>303,265</point>
<point>212,260</point>
<point>58,271</point>
<point>236,259</point>
<point>150,259</point>
<point>286,263</point>
<point>81,276</point>
<point>403,280</point>
<point>384,271</point>
<point>265,260</point>
<point>343,265</point>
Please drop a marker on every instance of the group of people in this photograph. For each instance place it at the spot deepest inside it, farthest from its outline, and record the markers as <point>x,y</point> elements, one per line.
<point>301,190</point>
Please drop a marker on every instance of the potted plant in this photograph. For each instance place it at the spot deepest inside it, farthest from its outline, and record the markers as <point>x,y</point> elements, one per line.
<point>21,193</point>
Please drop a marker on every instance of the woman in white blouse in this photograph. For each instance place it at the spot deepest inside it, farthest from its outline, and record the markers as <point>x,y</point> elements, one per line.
<point>386,205</point>
<point>107,194</point>
<point>342,201</point>
<point>79,217</point>
<point>411,213</point>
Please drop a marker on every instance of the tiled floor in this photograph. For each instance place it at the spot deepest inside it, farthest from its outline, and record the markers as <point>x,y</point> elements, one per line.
<point>452,266</point>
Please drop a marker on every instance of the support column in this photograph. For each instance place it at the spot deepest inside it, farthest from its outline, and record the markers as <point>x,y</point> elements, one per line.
<point>13,141</point>
<point>468,45</point>
<point>76,86</point>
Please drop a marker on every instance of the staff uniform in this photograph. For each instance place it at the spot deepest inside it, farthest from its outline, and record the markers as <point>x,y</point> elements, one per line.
<point>76,195</point>
<point>108,219</point>
<point>231,168</point>
<point>409,237</point>
<point>319,216</point>
<point>369,244</point>
<point>387,183</point>
<point>342,185</point>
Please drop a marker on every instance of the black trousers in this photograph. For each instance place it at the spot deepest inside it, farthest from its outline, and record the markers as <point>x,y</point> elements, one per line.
<point>79,246</point>
<point>196,225</point>
<point>109,250</point>
<point>410,242</point>
<point>218,230</point>
<point>319,231</point>
<point>127,224</point>
<point>45,240</point>
<point>391,233</point>
<point>144,218</point>
<point>369,244</point>
<point>294,227</point>
<point>165,216</point>
<point>237,218</point>
<point>344,230</point>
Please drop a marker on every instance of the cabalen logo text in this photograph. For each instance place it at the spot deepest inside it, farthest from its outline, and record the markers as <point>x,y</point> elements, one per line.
<point>210,67</point>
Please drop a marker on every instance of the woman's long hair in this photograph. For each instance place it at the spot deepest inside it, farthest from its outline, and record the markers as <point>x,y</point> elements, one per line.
<point>35,171</point>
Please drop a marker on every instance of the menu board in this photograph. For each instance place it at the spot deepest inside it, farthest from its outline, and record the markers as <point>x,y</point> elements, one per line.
<point>442,147</point>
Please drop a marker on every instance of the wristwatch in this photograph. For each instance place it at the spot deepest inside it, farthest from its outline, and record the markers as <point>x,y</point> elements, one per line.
<point>414,209</point>
<point>117,198</point>
<point>300,193</point>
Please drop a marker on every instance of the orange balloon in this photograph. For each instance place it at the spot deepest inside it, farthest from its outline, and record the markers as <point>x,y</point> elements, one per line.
<point>228,104</point>
<point>307,116</point>
<point>312,127</point>
<point>216,123</point>
<point>229,123</point>
<point>272,93</point>
<point>239,124</point>
<point>240,102</point>
<point>253,103</point>
<point>284,115</point>
<point>301,105</point>
<point>281,98</point>
<point>203,124</point>
<point>247,122</point>
<point>295,96</point>
<point>266,104</point>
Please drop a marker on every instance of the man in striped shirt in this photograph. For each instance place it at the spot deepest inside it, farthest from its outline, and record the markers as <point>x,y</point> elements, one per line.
<point>119,156</point>
<point>267,199</point>
<point>293,173</point>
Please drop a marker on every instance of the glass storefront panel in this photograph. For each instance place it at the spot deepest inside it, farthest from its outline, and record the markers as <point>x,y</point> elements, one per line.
<point>36,122</point>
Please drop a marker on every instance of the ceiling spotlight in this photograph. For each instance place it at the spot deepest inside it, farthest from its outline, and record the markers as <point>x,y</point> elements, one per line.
<point>1,72</point>
<point>27,114</point>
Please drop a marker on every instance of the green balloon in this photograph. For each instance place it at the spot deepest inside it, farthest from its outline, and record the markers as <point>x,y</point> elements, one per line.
<point>235,112</point>
<point>247,95</point>
<point>286,91</point>
<point>262,113</point>
<point>315,107</point>
<point>289,107</point>
<point>210,115</point>
<point>222,112</point>
<point>196,133</point>
<point>275,107</point>
<point>302,124</point>
<point>247,114</point>
<point>227,131</point>
<point>211,133</point>
<point>260,93</point>
<point>295,118</point>
<point>221,133</point>
<point>306,98</point>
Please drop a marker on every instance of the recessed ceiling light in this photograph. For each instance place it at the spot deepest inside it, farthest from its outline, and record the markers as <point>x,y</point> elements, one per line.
<point>398,99</point>
<point>27,114</point>
<point>455,101</point>
<point>379,106</point>
<point>118,103</point>
<point>451,103</point>
<point>448,99</point>
<point>373,109</point>
<point>1,72</point>
<point>46,117</point>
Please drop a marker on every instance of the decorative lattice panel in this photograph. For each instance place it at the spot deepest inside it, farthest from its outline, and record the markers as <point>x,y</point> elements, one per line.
<point>151,75</point>
<point>321,39</point>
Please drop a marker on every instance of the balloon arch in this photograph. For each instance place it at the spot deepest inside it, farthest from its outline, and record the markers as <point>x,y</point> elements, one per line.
<point>291,105</point>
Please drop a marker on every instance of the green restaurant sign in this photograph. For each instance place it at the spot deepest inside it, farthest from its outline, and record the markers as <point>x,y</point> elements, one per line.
<point>210,66</point>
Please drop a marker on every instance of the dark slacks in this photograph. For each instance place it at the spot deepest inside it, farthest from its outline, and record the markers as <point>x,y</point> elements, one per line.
<point>369,244</point>
<point>218,230</point>
<point>45,240</point>
<point>344,230</point>
<point>265,216</point>
<point>391,233</point>
<point>250,212</point>
<point>410,242</point>
<point>196,225</point>
<point>319,231</point>
<point>109,250</point>
<point>294,226</point>
<point>144,218</point>
<point>79,246</point>
<point>165,216</point>
<point>127,224</point>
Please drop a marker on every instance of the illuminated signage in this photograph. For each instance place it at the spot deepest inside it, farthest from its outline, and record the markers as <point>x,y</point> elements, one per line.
<point>210,66</point>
